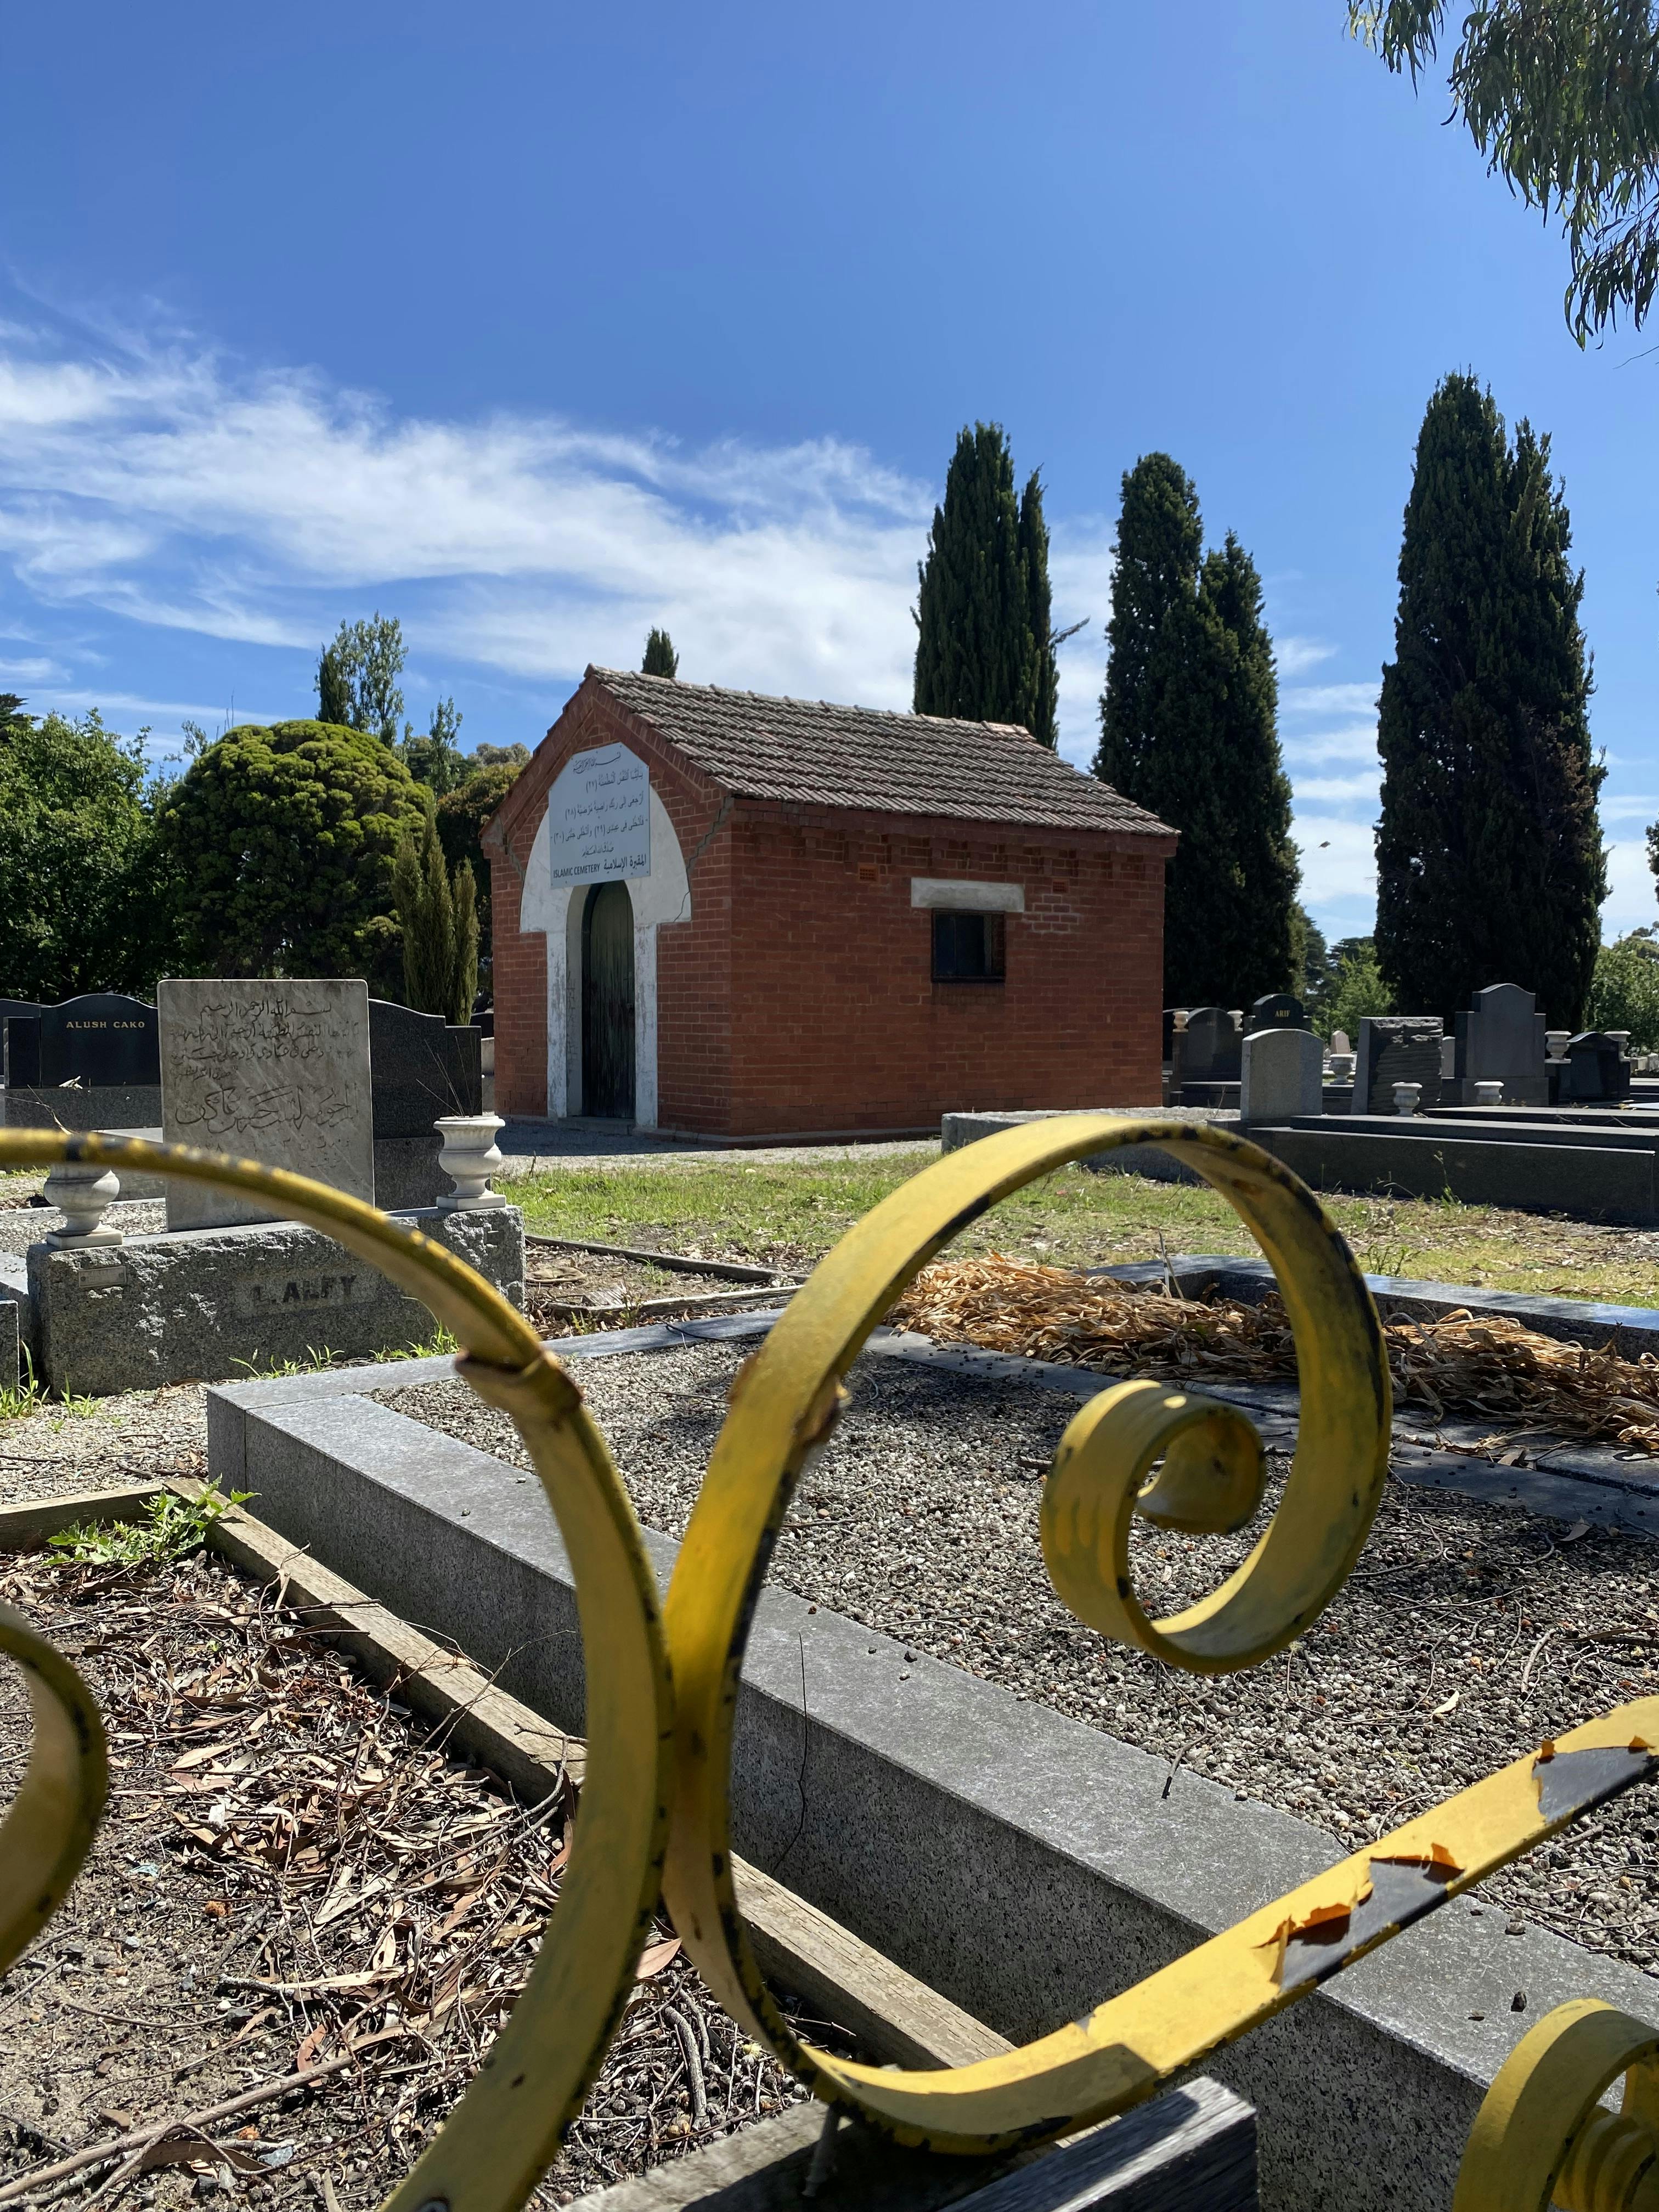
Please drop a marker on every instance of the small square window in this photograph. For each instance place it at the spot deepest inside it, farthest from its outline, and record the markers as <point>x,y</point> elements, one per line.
<point>967,947</point>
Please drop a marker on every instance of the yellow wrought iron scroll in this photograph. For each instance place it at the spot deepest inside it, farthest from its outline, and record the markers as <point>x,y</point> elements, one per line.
<point>506,2130</point>
<point>1542,2137</point>
<point>51,1822</point>
<point>783,1405</point>
<point>659,1762</point>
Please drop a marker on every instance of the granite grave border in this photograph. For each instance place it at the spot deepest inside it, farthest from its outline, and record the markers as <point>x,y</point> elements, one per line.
<point>1021,1863</point>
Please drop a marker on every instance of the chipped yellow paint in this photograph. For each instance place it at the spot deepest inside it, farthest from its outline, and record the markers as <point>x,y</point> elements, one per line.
<point>504,2132</point>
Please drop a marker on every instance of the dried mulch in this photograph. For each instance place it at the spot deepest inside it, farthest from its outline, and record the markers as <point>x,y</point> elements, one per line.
<point>1488,1367</point>
<point>294,1874</point>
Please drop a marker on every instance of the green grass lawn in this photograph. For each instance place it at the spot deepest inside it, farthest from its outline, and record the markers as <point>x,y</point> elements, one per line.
<point>779,1213</point>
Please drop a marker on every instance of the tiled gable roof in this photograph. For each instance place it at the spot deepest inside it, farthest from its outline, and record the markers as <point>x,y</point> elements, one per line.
<point>825,756</point>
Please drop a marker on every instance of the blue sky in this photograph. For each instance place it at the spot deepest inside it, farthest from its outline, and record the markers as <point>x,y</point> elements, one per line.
<point>535,326</point>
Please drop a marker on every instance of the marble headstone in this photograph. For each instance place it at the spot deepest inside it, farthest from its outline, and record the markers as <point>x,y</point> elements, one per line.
<point>273,1070</point>
<point>1501,1039</point>
<point>1279,1010</point>
<point>1397,1049</point>
<point>1282,1073</point>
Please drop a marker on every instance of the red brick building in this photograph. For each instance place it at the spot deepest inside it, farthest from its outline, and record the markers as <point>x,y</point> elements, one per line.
<point>742,916</point>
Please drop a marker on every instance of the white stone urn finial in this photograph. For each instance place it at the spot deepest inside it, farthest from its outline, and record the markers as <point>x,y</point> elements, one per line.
<point>469,1157</point>
<point>1406,1096</point>
<point>83,1193</point>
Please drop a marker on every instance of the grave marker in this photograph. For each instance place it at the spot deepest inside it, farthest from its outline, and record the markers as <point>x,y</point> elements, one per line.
<point>1213,1046</point>
<point>1597,1073</point>
<point>1282,1072</point>
<point>1397,1049</point>
<point>276,1071</point>
<point>1279,1010</point>
<point>1501,1039</point>
<point>424,1068</point>
<point>102,1040</point>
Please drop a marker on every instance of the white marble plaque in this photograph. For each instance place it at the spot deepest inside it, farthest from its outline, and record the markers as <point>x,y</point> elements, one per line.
<point>599,818</point>
<point>276,1071</point>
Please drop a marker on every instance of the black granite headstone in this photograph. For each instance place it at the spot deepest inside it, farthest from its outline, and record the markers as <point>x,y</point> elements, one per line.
<point>421,1067</point>
<point>1397,1049</point>
<point>1597,1073</point>
<point>103,1041</point>
<point>1501,1039</point>
<point>22,1050</point>
<point>1214,1046</point>
<point>1279,1010</point>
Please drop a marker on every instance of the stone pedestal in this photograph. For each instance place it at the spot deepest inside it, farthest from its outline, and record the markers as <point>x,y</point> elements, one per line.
<point>215,1305</point>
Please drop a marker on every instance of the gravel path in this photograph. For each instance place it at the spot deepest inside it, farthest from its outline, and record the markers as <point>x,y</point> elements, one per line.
<point>1468,1633</point>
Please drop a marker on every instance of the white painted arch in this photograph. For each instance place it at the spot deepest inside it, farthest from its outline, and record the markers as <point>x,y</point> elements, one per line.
<point>555,909</point>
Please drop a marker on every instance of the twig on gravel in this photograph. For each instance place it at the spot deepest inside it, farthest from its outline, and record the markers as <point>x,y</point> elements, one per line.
<point>1526,1672</point>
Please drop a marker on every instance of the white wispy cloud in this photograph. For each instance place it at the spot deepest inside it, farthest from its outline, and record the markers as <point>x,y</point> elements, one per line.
<point>1328,699</point>
<point>165,485</point>
<point>170,489</point>
<point>1306,747</point>
<point>1294,656</point>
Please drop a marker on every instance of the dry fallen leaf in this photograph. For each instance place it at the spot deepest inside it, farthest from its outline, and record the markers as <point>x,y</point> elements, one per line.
<point>655,1957</point>
<point>1447,1705</point>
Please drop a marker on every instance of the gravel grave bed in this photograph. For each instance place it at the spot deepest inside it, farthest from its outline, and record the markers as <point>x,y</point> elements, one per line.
<point>1468,1633</point>
<point>293,1867</point>
<point>100,1444</point>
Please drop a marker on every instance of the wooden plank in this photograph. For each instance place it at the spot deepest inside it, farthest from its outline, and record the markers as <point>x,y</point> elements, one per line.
<point>1192,2150</point>
<point>440,1685</point>
<point>29,1524</point>
<point>815,1956</point>
<point>899,2019</point>
<point>733,1271</point>
<point>654,1308</point>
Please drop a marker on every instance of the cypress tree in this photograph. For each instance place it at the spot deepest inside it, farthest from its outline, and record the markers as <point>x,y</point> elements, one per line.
<point>984,644</point>
<point>1041,717</point>
<point>334,700</point>
<point>1490,863</point>
<point>440,925</point>
<point>661,658</point>
<point>1188,730</point>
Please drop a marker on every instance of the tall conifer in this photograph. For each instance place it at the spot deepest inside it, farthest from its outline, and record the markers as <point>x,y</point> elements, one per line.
<point>1490,863</point>
<point>1190,730</point>
<point>984,647</point>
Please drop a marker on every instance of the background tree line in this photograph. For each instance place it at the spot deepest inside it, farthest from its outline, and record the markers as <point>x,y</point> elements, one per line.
<point>324,847</point>
<point>1489,861</point>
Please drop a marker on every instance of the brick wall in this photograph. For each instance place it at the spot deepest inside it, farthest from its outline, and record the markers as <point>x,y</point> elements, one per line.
<point>842,1024</point>
<point>799,995</point>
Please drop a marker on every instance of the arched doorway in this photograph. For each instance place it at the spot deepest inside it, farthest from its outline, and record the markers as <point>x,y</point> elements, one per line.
<point>608,1003</point>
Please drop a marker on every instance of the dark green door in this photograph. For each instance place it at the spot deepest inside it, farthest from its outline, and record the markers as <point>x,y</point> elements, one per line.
<point>608,1003</point>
